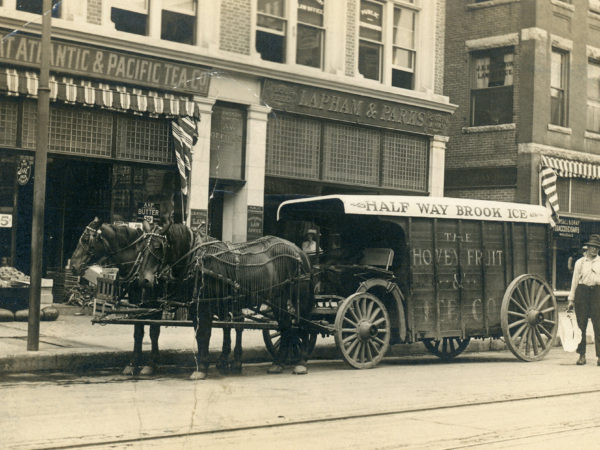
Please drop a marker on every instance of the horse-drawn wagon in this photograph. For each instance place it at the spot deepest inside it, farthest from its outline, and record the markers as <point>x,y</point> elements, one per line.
<point>399,269</point>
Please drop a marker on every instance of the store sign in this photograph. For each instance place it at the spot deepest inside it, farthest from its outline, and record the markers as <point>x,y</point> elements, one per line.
<point>371,13</point>
<point>5,220</point>
<point>21,49</point>
<point>24,171</point>
<point>337,105</point>
<point>198,220</point>
<point>567,227</point>
<point>149,211</point>
<point>255,222</point>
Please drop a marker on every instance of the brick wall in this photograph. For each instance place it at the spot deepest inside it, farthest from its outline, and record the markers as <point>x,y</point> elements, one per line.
<point>94,12</point>
<point>440,26</point>
<point>494,194</point>
<point>351,37</point>
<point>236,26</point>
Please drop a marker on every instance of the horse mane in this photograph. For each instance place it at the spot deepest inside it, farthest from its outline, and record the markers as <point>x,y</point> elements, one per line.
<point>119,236</point>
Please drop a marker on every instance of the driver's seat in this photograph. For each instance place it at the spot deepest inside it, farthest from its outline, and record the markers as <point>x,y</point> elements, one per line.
<point>378,257</point>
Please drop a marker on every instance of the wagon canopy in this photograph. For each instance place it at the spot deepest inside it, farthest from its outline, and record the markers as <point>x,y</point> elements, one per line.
<point>410,206</point>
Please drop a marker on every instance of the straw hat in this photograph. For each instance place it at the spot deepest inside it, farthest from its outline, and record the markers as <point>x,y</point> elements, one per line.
<point>312,231</point>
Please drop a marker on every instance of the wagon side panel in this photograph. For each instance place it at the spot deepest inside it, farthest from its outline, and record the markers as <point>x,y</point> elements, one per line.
<point>422,283</point>
<point>529,249</point>
<point>494,274</point>
<point>449,238</point>
<point>471,280</point>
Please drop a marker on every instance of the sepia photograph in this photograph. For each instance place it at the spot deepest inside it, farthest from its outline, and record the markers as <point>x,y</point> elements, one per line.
<point>299,224</point>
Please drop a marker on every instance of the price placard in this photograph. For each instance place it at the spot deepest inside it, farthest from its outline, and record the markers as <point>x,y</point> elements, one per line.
<point>5,220</point>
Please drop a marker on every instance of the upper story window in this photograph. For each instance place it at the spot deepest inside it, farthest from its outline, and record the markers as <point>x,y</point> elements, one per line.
<point>310,36</point>
<point>492,87</point>
<point>370,44</point>
<point>132,17</point>
<point>403,58</point>
<point>178,21</point>
<point>558,87</point>
<point>593,96</point>
<point>35,6</point>
<point>271,29</point>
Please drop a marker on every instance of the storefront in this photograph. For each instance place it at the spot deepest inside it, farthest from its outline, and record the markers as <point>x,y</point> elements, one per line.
<point>111,143</point>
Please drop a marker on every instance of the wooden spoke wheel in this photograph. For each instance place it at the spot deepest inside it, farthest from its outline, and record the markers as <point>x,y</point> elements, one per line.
<point>447,348</point>
<point>362,330</point>
<point>272,340</point>
<point>529,317</point>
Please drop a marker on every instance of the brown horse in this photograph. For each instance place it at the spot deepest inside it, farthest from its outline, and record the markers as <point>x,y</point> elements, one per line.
<point>119,246</point>
<point>219,279</point>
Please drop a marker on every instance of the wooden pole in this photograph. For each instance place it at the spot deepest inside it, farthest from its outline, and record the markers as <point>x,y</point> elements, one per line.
<point>39,183</point>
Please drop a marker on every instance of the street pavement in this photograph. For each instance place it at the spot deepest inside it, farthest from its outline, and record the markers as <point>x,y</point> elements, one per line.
<point>73,343</point>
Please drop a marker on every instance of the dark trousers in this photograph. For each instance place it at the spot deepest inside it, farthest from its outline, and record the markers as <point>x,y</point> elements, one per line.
<point>587,306</point>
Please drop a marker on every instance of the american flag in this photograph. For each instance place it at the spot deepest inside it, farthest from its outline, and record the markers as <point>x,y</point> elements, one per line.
<point>549,186</point>
<point>185,135</point>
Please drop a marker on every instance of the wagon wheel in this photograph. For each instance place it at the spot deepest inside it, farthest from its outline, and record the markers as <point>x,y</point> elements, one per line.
<point>447,348</point>
<point>529,317</point>
<point>362,330</point>
<point>272,340</point>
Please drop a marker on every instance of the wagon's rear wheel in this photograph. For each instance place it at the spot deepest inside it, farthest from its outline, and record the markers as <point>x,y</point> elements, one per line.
<point>529,317</point>
<point>272,340</point>
<point>362,330</point>
<point>447,348</point>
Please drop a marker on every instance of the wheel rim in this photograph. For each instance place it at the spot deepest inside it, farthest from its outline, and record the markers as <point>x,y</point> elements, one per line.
<point>272,339</point>
<point>529,317</point>
<point>362,330</point>
<point>448,347</point>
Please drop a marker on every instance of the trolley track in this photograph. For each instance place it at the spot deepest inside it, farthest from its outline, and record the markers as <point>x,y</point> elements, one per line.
<point>557,429</point>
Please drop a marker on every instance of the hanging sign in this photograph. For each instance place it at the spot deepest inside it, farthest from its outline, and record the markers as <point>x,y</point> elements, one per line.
<point>567,227</point>
<point>149,211</point>
<point>24,171</point>
<point>255,222</point>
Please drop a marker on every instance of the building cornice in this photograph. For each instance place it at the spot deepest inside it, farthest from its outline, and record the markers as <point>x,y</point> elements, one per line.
<point>548,150</point>
<point>534,33</point>
<point>491,42</point>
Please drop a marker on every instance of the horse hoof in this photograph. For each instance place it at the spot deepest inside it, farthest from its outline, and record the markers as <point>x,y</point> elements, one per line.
<point>129,370</point>
<point>300,370</point>
<point>147,371</point>
<point>275,368</point>
<point>236,367</point>
<point>223,367</point>
<point>197,375</point>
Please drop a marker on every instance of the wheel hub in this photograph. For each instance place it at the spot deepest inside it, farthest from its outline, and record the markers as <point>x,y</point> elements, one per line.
<point>534,317</point>
<point>366,330</point>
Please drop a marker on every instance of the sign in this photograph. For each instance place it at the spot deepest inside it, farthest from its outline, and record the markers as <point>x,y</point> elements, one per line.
<point>198,220</point>
<point>255,222</point>
<point>5,220</point>
<point>149,211</point>
<point>24,171</point>
<point>329,104</point>
<point>25,50</point>
<point>567,227</point>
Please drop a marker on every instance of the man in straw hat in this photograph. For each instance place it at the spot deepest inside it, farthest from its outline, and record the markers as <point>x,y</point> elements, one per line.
<point>585,295</point>
<point>310,245</point>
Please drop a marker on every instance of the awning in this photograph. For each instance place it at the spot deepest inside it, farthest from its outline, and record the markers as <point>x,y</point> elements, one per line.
<point>571,169</point>
<point>67,89</point>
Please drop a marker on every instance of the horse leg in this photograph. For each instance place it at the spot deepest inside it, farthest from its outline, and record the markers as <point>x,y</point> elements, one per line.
<point>138,336</point>
<point>223,361</point>
<point>203,326</point>
<point>299,344</point>
<point>150,368</point>
<point>236,364</point>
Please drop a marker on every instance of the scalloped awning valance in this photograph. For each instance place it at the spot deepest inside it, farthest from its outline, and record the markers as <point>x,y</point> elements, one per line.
<point>572,169</point>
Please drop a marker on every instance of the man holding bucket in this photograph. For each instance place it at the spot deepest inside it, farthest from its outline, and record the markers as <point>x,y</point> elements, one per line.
<point>585,295</point>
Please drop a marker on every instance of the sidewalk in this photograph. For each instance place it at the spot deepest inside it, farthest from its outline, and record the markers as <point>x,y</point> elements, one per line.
<point>73,343</point>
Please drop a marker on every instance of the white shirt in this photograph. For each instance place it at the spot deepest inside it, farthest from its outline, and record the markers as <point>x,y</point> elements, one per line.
<point>586,271</point>
<point>309,246</point>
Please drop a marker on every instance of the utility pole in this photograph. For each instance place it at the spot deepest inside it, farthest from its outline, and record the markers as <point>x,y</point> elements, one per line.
<point>39,183</point>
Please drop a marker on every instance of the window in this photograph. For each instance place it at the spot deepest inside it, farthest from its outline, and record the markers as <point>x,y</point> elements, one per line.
<point>558,85</point>
<point>35,6</point>
<point>271,26</point>
<point>370,45</point>
<point>134,19</point>
<point>403,63</point>
<point>178,20</point>
<point>309,41</point>
<point>492,92</point>
<point>593,97</point>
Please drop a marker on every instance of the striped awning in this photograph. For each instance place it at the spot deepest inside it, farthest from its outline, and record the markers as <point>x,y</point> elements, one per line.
<point>571,169</point>
<point>67,89</point>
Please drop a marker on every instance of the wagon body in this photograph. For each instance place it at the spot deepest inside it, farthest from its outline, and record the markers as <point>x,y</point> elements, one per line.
<point>462,267</point>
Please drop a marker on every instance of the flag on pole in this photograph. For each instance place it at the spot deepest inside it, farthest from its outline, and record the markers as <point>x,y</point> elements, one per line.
<point>185,136</point>
<point>548,180</point>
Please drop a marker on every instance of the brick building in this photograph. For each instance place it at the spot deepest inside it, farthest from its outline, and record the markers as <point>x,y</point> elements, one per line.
<point>526,77</point>
<point>290,98</point>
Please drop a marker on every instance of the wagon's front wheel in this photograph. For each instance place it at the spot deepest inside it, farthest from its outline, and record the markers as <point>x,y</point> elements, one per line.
<point>529,317</point>
<point>272,339</point>
<point>447,348</point>
<point>362,330</point>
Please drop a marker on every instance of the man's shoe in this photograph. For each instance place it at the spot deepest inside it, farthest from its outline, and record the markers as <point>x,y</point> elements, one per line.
<point>581,360</point>
<point>275,369</point>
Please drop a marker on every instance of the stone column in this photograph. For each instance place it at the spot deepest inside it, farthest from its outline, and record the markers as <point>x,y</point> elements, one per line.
<point>199,179</point>
<point>235,208</point>
<point>436,165</point>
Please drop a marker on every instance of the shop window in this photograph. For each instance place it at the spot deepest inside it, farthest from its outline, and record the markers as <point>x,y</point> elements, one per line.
<point>593,97</point>
<point>35,6</point>
<point>370,45</point>
<point>405,161</point>
<point>178,21</point>
<point>133,18</point>
<point>8,122</point>
<point>144,139</point>
<point>403,63</point>
<point>271,27</point>
<point>310,36</point>
<point>492,92</point>
<point>558,87</point>
<point>227,142</point>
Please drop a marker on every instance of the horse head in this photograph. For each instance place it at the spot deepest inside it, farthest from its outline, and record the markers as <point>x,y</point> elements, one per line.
<point>153,256</point>
<point>87,248</point>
